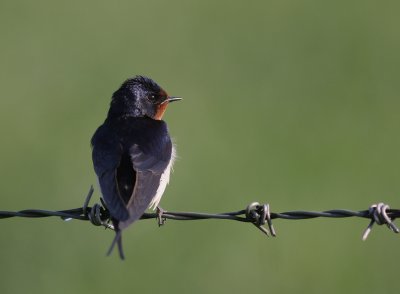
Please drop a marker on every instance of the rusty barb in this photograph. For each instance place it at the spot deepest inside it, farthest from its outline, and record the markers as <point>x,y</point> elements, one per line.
<point>257,214</point>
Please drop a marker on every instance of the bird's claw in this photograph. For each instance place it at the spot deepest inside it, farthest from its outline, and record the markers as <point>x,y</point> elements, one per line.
<point>160,218</point>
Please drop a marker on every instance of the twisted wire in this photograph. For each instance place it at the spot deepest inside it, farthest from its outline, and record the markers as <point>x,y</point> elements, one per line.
<point>255,213</point>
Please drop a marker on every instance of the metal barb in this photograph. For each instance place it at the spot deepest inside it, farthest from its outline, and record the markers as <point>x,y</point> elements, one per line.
<point>266,215</point>
<point>95,214</point>
<point>87,200</point>
<point>378,215</point>
<point>259,215</point>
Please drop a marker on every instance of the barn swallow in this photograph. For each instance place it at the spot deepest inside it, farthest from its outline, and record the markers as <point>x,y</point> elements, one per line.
<point>132,153</point>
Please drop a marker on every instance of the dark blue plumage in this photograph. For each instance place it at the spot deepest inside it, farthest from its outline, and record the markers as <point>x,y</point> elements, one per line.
<point>132,152</point>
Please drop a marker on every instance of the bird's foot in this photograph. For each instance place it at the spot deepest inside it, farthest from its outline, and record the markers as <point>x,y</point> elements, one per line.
<point>107,225</point>
<point>160,218</point>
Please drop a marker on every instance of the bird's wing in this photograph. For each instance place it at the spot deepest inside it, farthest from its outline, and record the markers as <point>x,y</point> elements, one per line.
<point>107,155</point>
<point>132,177</point>
<point>152,176</point>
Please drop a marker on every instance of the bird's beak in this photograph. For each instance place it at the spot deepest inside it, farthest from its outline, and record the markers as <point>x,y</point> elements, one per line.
<point>172,99</point>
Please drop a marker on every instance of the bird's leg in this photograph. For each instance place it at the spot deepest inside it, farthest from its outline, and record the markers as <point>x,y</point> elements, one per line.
<point>160,219</point>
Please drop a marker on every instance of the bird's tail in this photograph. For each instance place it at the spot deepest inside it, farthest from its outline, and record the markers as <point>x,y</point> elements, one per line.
<point>117,240</point>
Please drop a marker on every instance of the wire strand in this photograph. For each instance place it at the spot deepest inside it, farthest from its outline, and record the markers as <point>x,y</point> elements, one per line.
<point>255,213</point>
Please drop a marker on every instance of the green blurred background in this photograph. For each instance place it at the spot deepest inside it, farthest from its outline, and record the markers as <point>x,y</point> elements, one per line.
<point>294,103</point>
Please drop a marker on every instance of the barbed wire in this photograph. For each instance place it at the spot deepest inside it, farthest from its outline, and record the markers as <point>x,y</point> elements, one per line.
<point>255,213</point>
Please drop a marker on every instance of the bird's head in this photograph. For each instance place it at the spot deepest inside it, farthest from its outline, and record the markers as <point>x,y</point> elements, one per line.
<point>140,97</point>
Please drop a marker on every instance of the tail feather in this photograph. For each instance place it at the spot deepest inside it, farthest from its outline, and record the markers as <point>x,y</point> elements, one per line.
<point>117,240</point>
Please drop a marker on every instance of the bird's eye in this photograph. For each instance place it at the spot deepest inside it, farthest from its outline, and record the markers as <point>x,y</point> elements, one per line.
<point>153,98</point>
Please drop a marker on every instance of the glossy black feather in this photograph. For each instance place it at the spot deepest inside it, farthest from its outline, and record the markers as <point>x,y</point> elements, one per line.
<point>122,148</point>
<point>132,152</point>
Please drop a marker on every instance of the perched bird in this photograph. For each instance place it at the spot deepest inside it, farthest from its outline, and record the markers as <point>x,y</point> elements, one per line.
<point>133,153</point>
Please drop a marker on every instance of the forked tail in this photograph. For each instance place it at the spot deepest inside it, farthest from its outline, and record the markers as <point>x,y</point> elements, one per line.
<point>117,240</point>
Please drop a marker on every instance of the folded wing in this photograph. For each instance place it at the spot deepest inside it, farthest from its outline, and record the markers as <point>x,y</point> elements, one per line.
<point>131,177</point>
